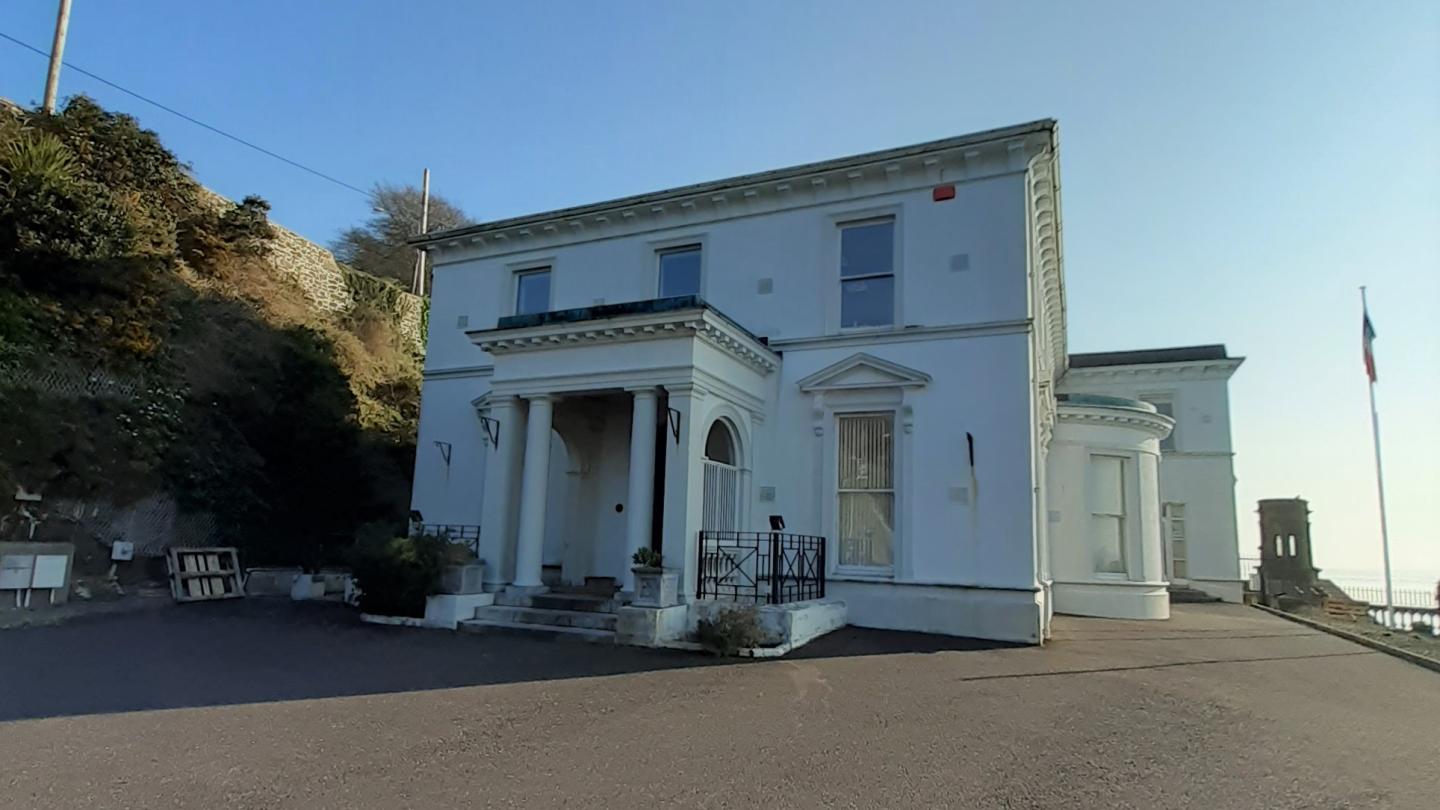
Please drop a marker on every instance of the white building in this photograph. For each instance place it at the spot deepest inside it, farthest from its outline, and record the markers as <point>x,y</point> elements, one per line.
<point>867,347</point>
<point>1197,477</point>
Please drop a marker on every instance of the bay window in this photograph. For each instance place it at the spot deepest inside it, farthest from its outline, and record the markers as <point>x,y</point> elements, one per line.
<point>1107,514</point>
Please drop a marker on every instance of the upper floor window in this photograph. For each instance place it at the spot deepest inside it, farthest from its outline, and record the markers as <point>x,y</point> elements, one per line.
<point>680,271</point>
<point>867,273</point>
<point>532,291</point>
<point>1167,408</point>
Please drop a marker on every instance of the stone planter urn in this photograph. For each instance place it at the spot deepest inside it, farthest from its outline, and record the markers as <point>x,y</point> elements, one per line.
<point>463,578</point>
<point>656,587</point>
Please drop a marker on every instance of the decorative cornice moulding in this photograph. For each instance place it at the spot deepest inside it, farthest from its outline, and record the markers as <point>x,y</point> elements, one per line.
<point>1154,423</point>
<point>954,160</point>
<point>700,324</point>
<point>1178,372</point>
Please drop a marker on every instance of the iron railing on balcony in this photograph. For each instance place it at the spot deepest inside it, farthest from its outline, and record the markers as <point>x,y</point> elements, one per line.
<point>466,533</point>
<point>767,568</point>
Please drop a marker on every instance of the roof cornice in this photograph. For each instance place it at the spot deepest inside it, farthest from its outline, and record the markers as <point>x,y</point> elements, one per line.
<point>701,323</point>
<point>1154,423</point>
<point>957,159</point>
<point>1047,250</point>
<point>1187,370</point>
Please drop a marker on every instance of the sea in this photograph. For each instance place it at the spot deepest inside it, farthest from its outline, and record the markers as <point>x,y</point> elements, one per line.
<point>1411,587</point>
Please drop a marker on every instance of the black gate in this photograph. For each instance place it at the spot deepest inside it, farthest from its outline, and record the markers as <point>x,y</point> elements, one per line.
<point>768,568</point>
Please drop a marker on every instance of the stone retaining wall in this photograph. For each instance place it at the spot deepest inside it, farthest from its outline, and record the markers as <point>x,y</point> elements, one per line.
<point>325,281</point>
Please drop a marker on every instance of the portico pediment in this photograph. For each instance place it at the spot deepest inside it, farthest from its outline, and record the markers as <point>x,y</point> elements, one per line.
<point>860,371</point>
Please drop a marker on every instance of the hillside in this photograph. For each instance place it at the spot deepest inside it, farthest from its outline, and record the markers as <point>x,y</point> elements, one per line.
<point>163,346</point>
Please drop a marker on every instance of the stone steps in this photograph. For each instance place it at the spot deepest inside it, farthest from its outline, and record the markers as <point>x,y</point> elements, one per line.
<point>537,631</point>
<point>579,602</point>
<point>1184,595</point>
<point>587,619</point>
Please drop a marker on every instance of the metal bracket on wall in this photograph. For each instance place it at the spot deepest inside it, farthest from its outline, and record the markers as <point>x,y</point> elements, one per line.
<point>444,451</point>
<point>674,417</point>
<point>492,430</point>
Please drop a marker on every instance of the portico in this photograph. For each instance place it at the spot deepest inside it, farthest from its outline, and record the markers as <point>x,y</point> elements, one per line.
<point>624,396</point>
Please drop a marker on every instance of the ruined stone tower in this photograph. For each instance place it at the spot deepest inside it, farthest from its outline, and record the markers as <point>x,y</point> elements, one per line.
<point>1286,566</point>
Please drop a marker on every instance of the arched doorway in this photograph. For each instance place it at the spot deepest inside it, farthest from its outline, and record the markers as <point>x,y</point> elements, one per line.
<point>721,510</point>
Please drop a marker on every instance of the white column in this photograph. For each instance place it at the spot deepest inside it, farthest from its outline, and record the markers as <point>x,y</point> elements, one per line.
<point>684,486</point>
<point>530,541</point>
<point>502,474</point>
<point>641,498</point>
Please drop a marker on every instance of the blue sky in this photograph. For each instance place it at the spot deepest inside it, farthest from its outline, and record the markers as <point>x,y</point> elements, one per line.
<point>1232,171</point>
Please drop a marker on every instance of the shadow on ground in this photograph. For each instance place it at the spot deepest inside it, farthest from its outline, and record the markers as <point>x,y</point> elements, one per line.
<point>273,650</point>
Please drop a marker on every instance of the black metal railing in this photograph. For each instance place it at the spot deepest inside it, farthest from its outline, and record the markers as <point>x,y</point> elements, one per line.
<point>466,533</point>
<point>768,568</point>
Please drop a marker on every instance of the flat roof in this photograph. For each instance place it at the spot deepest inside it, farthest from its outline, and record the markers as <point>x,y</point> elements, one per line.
<point>1042,125</point>
<point>600,312</point>
<point>1143,357</point>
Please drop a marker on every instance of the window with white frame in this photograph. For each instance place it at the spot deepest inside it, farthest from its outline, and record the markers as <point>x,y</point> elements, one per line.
<point>679,271</point>
<point>867,273</point>
<point>532,291</point>
<point>866,487</point>
<point>1107,514</point>
<point>1179,551</point>
<point>1165,406</point>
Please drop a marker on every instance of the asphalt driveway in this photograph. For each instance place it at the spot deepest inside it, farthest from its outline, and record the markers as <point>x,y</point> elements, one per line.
<point>266,704</point>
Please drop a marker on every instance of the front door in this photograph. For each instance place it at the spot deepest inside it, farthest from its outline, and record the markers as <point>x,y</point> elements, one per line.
<point>721,510</point>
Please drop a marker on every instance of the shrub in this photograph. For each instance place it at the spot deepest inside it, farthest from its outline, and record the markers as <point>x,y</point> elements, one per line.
<point>732,630</point>
<point>646,557</point>
<point>395,575</point>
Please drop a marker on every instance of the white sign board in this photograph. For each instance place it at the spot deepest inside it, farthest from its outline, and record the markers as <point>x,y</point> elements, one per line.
<point>49,571</point>
<point>15,571</point>
<point>122,550</point>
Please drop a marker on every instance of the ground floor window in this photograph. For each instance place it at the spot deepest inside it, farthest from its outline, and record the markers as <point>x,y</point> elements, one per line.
<point>1107,514</point>
<point>866,486</point>
<point>1179,553</point>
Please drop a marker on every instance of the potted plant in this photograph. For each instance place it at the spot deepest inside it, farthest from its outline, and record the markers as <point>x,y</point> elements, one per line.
<point>654,586</point>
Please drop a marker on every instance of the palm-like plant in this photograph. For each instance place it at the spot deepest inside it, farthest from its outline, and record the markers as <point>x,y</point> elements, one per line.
<point>36,160</point>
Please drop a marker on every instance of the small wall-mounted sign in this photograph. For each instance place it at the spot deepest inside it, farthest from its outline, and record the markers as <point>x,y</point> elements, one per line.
<point>122,550</point>
<point>767,494</point>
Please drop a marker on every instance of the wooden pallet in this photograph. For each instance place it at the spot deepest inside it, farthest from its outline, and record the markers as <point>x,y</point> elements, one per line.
<point>1345,609</point>
<point>204,574</point>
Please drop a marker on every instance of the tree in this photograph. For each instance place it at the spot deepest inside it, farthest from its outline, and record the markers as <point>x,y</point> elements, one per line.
<point>378,247</point>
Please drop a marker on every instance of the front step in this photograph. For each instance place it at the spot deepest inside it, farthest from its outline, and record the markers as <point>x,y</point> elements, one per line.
<point>577,602</point>
<point>586,619</point>
<point>1185,595</point>
<point>537,631</point>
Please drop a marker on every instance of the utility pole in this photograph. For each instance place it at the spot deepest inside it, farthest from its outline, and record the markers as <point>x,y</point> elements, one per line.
<point>418,283</point>
<point>57,50</point>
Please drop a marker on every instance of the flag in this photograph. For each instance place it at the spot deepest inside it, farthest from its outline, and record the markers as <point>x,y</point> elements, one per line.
<point>1368,331</point>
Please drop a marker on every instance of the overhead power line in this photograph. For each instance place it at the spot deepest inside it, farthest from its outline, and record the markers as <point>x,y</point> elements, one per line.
<point>191,119</point>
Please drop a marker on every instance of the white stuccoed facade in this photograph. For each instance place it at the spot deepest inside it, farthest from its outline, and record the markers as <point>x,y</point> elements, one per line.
<point>1197,474</point>
<point>754,398</point>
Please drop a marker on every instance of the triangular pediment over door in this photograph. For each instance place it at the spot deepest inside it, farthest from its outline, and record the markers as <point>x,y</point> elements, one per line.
<point>859,371</point>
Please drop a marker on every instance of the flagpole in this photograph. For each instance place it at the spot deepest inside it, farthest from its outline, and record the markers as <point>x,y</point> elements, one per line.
<point>1380,486</point>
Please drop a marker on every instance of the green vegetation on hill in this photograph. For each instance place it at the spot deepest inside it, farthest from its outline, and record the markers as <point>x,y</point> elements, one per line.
<point>291,426</point>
